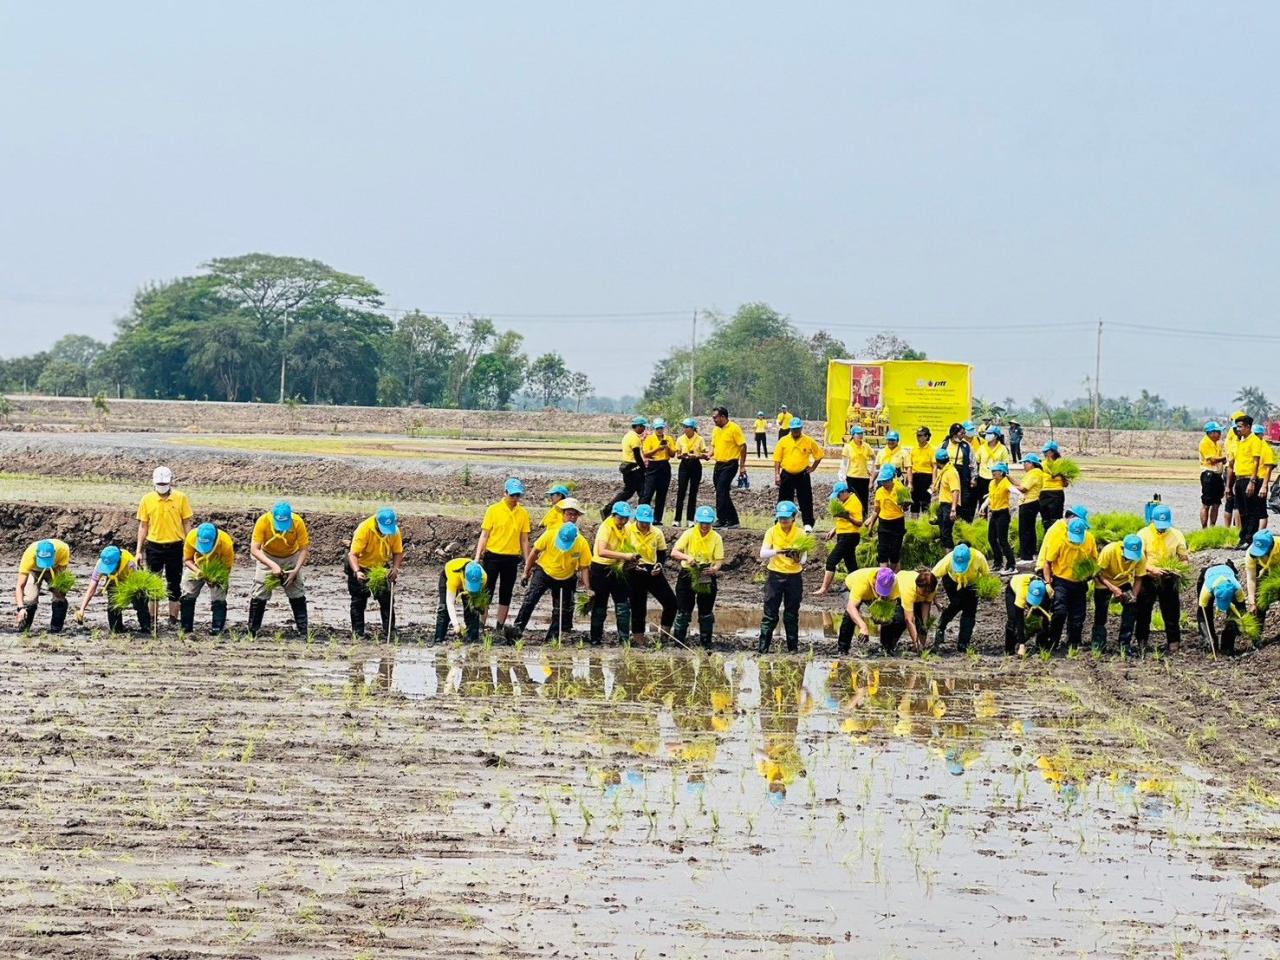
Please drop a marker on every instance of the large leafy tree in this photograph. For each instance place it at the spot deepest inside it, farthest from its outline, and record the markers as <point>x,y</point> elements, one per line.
<point>417,359</point>
<point>548,378</point>
<point>497,374</point>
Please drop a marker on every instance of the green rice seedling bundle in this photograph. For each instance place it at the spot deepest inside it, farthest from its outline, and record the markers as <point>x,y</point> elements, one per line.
<point>837,510</point>
<point>1114,527</point>
<point>882,611</point>
<point>377,581</point>
<point>1212,538</point>
<point>975,534</point>
<point>699,582</point>
<point>62,582</point>
<point>902,495</point>
<point>1085,569</point>
<point>272,582</point>
<point>215,573</point>
<point>1064,467</point>
<point>1180,569</point>
<point>479,602</point>
<point>1248,625</point>
<point>1037,621</point>
<point>139,583</point>
<point>989,587</point>
<point>805,543</point>
<point>618,567</point>
<point>583,603</point>
<point>1269,591</point>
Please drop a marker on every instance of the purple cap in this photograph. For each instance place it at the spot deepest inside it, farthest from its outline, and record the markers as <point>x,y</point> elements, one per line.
<point>884,582</point>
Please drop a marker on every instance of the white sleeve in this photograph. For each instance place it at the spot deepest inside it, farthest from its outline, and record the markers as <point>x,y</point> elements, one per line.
<point>451,602</point>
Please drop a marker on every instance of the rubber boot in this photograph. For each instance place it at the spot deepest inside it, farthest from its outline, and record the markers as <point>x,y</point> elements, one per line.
<point>791,627</point>
<point>767,625</point>
<point>301,622</point>
<point>115,620</point>
<point>357,616</point>
<point>219,610</point>
<point>28,617</point>
<point>622,611</point>
<point>596,635</point>
<point>257,610</point>
<point>844,638</point>
<point>706,627</point>
<point>143,609</point>
<point>967,622</point>
<point>680,629</point>
<point>187,614</point>
<point>57,615</point>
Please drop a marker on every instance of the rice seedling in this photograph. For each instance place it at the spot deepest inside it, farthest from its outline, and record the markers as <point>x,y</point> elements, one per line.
<point>139,583</point>
<point>215,573</point>
<point>1114,527</point>
<point>902,495</point>
<point>1212,538</point>
<point>1269,591</point>
<point>1063,467</point>
<point>479,602</point>
<point>272,582</point>
<point>882,611</point>
<point>837,510</point>
<point>583,603</point>
<point>619,567</point>
<point>62,582</point>
<point>1085,569</point>
<point>699,582</point>
<point>1248,625</point>
<point>989,587</point>
<point>1178,568</point>
<point>974,534</point>
<point>377,582</point>
<point>805,543</point>
<point>1037,620</point>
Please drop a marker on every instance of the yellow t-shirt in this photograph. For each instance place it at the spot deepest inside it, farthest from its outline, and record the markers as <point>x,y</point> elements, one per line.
<point>1231,443</point>
<point>784,420</point>
<point>553,519</point>
<point>1051,482</point>
<point>727,442</point>
<point>1263,566</point>
<point>760,426</point>
<point>909,590</point>
<point>280,544</point>
<point>886,501</point>
<point>1032,483</point>
<point>853,522</point>
<point>778,539</point>
<point>923,458</point>
<point>609,536</point>
<point>1210,449</point>
<point>1064,555</point>
<point>1268,454</point>
<point>659,448</point>
<point>371,548</point>
<point>454,580</point>
<point>978,568</point>
<point>562,564</point>
<point>693,446</point>
<point>988,455</point>
<point>1246,451</point>
<point>1020,584</point>
<point>708,550</point>
<point>898,457</point>
<point>795,455</point>
<point>1210,581</point>
<point>948,483</point>
<point>164,516</point>
<point>61,557</point>
<point>505,524</point>
<point>646,545</point>
<point>1162,547</point>
<point>631,442</point>
<point>224,549</point>
<point>862,586</point>
<point>1057,533</point>
<point>858,454</point>
<point>1117,569</point>
<point>998,493</point>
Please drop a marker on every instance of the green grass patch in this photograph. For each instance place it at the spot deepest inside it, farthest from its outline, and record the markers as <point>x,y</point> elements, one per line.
<point>1212,538</point>
<point>989,587</point>
<point>1114,527</point>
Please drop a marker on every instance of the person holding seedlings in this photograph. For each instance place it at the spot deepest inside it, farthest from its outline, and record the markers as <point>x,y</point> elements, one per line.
<point>164,520</point>
<point>887,511</point>
<point>611,559</point>
<point>1219,589</point>
<point>1245,478</point>
<point>949,493</point>
<point>700,552</point>
<point>1213,484</point>
<point>1026,597</point>
<point>376,543</point>
<point>783,420</point>
<point>43,565</point>
<point>877,586</point>
<point>855,466</point>
<point>1030,487</point>
<point>462,583</point>
<point>645,578</point>
<point>1053,496</point>
<point>280,545</point>
<point>503,544</point>
<point>1015,441</point>
<point>1166,554</point>
<point>846,512</point>
<point>998,517</point>
<point>761,428</point>
<point>208,556</point>
<point>1069,567</point>
<point>893,454</point>
<point>917,590</point>
<point>990,452</point>
<point>923,458</point>
<point>729,450</point>
<point>554,516</point>
<point>1262,564</point>
<point>795,457</point>
<point>659,448</point>
<point>1058,532</point>
<point>1122,565</point>
<point>959,572</point>
<point>960,454</point>
<point>631,467</point>
<point>691,450</point>
<point>786,548</point>
<point>113,565</point>
<point>559,556</point>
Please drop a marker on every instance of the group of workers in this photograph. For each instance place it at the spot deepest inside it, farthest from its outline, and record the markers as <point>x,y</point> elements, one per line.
<point>1239,469</point>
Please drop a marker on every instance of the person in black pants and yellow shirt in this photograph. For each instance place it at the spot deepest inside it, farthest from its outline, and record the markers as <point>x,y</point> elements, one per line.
<point>608,583</point>
<point>888,510</point>
<point>959,572</point>
<point>1063,573</point>
<point>998,494</point>
<point>703,547</point>
<point>1163,543</point>
<point>164,520</point>
<point>729,450</point>
<point>960,453</point>
<point>847,533</point>
<point>949,494</point>
<point>1123,564</point>
<point>658,450</point>
<point>376,543</point>
<point>794,458</point>
<point>691,450</point>
<point>1030,487</point>
<point>1053,496</point>
<point>761,428</point>
<point>503,546</point>
<point>646,578</point>
<point>784,583</point>
<point>631,467</point>
<point>557,558</point>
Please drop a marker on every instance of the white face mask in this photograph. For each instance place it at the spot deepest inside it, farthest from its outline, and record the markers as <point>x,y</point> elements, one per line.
<point>163,489</point>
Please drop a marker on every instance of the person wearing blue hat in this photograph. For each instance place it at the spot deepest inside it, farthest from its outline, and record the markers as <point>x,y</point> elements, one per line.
<point>784,577</point>
<point>999,518</point>
<point>205,548</point>
<point>729,451</point>
<point>846,530</point>
<point>36,569</point>
<point>554,516</point>
<point>924,458</point>
<point>503,545</point>
<point>1219,591</point>
<point>894,454</point>
<point>1029,509</point>
<point>1057,531</point>
<point>948,492</point>
<point>646,578</point>
<point>114,564</point>
<point>377,542</point>
<point>1025,597</point>
<point>280,545</point>
<point>700,553</point>
<point>960,454</point>
<point>460,599</point>
<point>990,451</point>
<point>1213,481</point>
<point>1164,545</point>
<point>560,559</point>
<point>959,572</point>
<point>784,421</point>
<point>795,458</point>
<point>659,450</point>
<point>1121,568</point>
<point>856,459</point>
<point>1261,562</point>
<point>761,430</point>
<point>1053,491</point>
<point>691,450</point>
<point>1070,565</point>
<point>631,467</point>
<point>611,559</point>
<point>888,514</point>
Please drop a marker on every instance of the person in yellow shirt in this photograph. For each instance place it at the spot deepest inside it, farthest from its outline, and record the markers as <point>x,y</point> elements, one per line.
<point>1030,487</point>
<point>866,585</point>
<point>998,519</point>
<point>164,520</point>
<point>960,453</point>
<point>1065,571</point>
<point>1053,496</point>
<point>893,454</point>
<point>795,457</point>
<point>1218,587</point>
<point>855,466</point>
<point>659,449</point>
<point>989,452</point>
<point>1026,595</point>
<point>950,494</point>
<point>783,420</point>
<point>729,451</point>
<point>1261,562</point>
<point>280,545</point>
<point>554,516</point>
<point>1162,544</point>
<point>959,572</point>
<point>1213,483</point>
<point>1254,465</point>
<point>1122,565</point>
<point>560,559</point>
<point>462,583</point>
<point>917,590</point>
<point>36,569</point>
<point>703,548</point>
<point>847,533</point>
<point>115,563</point>
<point>377,542</point>
<point>205,545</point>
<point>646,578</point>
<point>631,466</point>
<point>923,458</point>
<point>691,450</point>
<point>761,430</point>
<point>784,583</point>
<point>1230,444</point>
<point>608,582</point>
<point>887,512</point>
<point>503,544</point>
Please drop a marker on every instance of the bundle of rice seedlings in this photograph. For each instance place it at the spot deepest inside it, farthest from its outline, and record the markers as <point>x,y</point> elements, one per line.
<point>836,510</point>
<point>1248,624</point>
<point>479,602</point>
<point>1113,527</point>
<point>698,580</point>
<point>377,581</point>
<point>1212,538</point>
<point>62,582</point>
<point>1085,569</point>
<point>805,543</point>
<point>583,603</point>
<point>139,583</point>
<point>882,611</point>
<point>1269,591</point>
<point>618,567</point>
<point>902,495</point>
<point>1037,620</point>
<point>989,587</point>
<point>215,573</point>
<point>1180,569</point>
<point>272,582</point>
<point>1064,467</point>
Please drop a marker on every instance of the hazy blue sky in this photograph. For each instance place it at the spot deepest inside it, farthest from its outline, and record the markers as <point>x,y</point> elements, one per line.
<point>985,178</point>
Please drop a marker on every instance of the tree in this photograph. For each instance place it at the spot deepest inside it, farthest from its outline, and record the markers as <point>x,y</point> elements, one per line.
<point>274,290</point>
<point>889,346</point>
<point>549,378</point>
<point>580,389</point>
<point>1254,402</point>
<point>225,350</point>
<point>498,374</point>
<point>417,360</point>
<point>474,334</point>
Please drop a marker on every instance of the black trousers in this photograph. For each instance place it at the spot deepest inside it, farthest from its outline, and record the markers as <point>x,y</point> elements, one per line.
<point>632,486</point>
<point>688,479</point>
<point>967,502</point>
<point>798,488</point>
<point>946,525</point>
<point>762,444</point>
<point>725,472</point>
<point>470,617</point>
<point>1015,451</point>
<point>782,590</point>
<point>998,539</point>
<point>1070,606</point>
<point>166,557</point>
<point>889,540</point>
<point>359,600</point>
<point>845,551</point>
<point>1053,504</point>
<point>561,602</point>
<point>606,586</point>
<point>1015,624</point>
<point>1213,486</point>
<point>115,618</point>
<point>981,486</point>
<point>964,602</point>
<point>1027,513</point>
<point>657,481</point>
<point>1252,508</point>
<point>502,570</point>
<point>1226,643</point>
<point>891,632</point>
<point>1162,591</point>
<point>861,487</point>
<point>1102,610</point>
<point>921,492</point>
<point>642,585</point>
<point>686,599</point>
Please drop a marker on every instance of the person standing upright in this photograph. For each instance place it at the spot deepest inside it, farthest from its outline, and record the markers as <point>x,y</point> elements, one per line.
<point>1213,460</point>
<point>960,455</point>
<point>503,546</point>
<point>164,520</point>
<point>1053,495</point>
<point>794,458</point>
<point>631,466</point>
<point>1015,441</point>
<point>659,449</point>
<point>855,466</point>
<point>783,420</point>
<point>761,428</point>
<point>922,463</point>
<point>691,450</point>
<point>1231,518</point>
<point>1029,509</point>
<point>1248,469</point>
<point>729,450</point>
<point>990,452</point>
<point>948,494</point>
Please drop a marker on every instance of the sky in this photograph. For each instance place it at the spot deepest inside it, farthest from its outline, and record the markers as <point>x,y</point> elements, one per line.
<point>986,179</point>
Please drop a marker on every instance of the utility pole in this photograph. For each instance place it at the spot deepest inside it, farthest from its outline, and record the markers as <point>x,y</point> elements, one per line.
<point>1097,376</point>
<point>693,349</point>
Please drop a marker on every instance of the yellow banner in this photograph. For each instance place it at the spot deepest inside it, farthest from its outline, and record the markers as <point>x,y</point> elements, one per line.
<point>900,395</point>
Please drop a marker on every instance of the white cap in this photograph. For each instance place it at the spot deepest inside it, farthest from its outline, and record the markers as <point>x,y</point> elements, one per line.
<point>569,503</point>
<point>162,476</point>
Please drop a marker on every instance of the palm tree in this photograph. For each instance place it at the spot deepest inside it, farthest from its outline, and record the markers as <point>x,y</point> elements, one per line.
<point>1254,402</point>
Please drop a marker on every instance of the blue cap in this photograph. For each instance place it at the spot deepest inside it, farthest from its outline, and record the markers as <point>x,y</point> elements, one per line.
<point>659,424</point>
<point>1224,593</point>
<point>1263,542</point>
<point>1162,518</point>
<point>473,577</point>
<point>839,488</point>
<point>386,520</point>
<point>892,437</point>
<point>941,455</point>
<point>206,538</point>
<point>1033,458</point>
<point>1076,530</point>
<point>639,422</point>
<point>961,557</point>
<point>705,514</point>
<point>689,422</point>
<point>567,535</point>
<point>1259,430</point>
<point>1133,549</point>
<point>759,413</point>
<point>785,510</point>
<point>644,513</point>
<point>109,561</point>
<point>1001,467</point>
<point>513,487</point>
<point>856,432</point>
<point>886,474</point>
<point>969,426</point>
<point>1213,427</point>
<point>1080,511</point>
<point>559,489</point>
<point>1036,592</point>
<point>46,554</point>
<point>621,509</point>
<point>992,432</point>
<point>282,517</point>
<point>1051,447</point>
<point>796,424</point>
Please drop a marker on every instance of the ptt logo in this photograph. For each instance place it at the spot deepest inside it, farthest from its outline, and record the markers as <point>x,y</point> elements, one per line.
<point>931,384</point>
